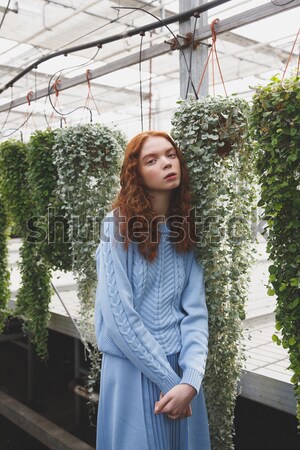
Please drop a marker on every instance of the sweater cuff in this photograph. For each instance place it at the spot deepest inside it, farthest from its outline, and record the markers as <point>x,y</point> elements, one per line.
<point>192,377</point>
<point>169,382</point>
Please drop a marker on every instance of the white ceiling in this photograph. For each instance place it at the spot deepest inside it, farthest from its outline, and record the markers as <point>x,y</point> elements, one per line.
<point>249,55</point>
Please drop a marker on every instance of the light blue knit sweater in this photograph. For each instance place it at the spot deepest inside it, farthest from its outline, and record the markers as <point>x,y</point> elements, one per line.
<point>145,311</point>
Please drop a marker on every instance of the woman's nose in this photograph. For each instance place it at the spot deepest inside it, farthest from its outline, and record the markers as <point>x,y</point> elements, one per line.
<point>166,163</point>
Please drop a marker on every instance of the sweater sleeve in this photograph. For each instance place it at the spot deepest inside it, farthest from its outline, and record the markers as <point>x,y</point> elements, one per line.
<point>194,328</point>
<point>114,298</point>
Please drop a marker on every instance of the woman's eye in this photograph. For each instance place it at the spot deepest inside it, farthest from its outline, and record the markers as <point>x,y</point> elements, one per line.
<point>172,155</point>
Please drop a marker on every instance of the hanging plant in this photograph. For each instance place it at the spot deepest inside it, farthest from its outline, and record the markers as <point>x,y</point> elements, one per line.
<point>212,133</point>
<point>52,244</point>
<point>14,184</point>
<point>4,272</point>
<point>88,160</point>
<point>34,294</point>
<point>275,126</point>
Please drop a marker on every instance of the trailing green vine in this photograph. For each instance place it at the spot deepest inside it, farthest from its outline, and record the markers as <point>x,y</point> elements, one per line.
<point>34,294</point>
<point>88,160</point>
<point>4,272</point>
<point>212,133</point>
<point>52,243</point>
<point>14,184</point>
<point>72,174</point>
<point>46,246</point>
<point>275,126</point>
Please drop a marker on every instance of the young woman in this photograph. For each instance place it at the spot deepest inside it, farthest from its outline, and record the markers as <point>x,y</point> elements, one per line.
<point>150,313</point>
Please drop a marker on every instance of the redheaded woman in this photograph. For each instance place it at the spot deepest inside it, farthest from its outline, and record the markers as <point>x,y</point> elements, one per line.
<point>150,313</point>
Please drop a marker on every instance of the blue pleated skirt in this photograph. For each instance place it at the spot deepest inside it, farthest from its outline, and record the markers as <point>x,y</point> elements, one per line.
<point>126,419</point>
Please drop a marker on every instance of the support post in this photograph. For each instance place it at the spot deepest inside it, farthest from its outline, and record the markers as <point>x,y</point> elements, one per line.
<point>76,376</point>
<point>30,370</point>
<point>195,57</point>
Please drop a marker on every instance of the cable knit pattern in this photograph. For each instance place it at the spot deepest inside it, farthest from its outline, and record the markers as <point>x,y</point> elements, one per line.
<point>122,322</point>
<point>145,311</point>
<point>138,278</point>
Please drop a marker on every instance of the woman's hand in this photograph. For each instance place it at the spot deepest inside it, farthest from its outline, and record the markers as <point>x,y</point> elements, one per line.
<point>188,411</point>
<point>176,402</point>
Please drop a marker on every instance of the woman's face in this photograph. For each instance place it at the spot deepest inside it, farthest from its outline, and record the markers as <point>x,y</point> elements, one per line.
<point>157,159</point>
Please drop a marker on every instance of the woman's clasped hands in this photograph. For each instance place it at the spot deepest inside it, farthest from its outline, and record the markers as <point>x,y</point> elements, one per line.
<point>176,402</point>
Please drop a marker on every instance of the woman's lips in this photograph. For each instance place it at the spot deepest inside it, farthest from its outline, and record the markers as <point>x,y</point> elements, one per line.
<point>171,177</point>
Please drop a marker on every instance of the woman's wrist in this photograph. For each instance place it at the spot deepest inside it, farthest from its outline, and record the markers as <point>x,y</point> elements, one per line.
<point>190,388</point>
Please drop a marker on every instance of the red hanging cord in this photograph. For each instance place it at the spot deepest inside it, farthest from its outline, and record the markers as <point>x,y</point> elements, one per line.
<point>90,95</point>
<point>150,86</point>
<point>214,38</point>
<point>56,101</point>
<point>56,82</point>
<point>213,70</point>
<point>88,77</point>
<point>213,50</point>
<point>28,97</point>
<point>28,114</point>
<point>290,56</point>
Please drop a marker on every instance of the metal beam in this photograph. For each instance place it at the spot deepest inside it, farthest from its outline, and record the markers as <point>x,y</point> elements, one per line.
<point>247,17</point>
<point>115,37</point>
<point>251,44</point>
<point>42,429</point>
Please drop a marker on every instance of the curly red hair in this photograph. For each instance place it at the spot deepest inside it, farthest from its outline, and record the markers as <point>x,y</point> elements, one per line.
<point>133,200</point>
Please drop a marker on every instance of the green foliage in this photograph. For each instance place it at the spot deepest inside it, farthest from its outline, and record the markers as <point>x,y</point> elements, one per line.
<point>34,294</point>
<point>275,126</point>
<point>52,239</point>
<point>72,173</point>
<point>14,183</point>
<point>4,273</point>
<point>88,160</point>
<point>212,134</point>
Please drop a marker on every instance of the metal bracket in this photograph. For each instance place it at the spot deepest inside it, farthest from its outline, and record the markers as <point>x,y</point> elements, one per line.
<point>185,38</point>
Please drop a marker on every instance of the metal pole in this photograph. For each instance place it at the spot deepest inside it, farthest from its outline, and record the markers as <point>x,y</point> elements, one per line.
<point>76,376</point>
<point>30,370</point>
<point>196,54</point>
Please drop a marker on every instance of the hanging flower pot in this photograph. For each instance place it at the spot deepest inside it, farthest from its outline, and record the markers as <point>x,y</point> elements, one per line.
<point>212,134</point>
<point>14,183</point>
<point>223,151</point>
<point>88,161</point>
<point>275,127</point>
<point>218,123</point>
<point>226,134</point>
<point>42,178</point>
<point>4,272</point>
<point>34,295</point>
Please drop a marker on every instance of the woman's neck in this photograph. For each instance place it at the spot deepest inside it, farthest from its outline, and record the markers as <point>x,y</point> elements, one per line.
<point>160,205</point>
